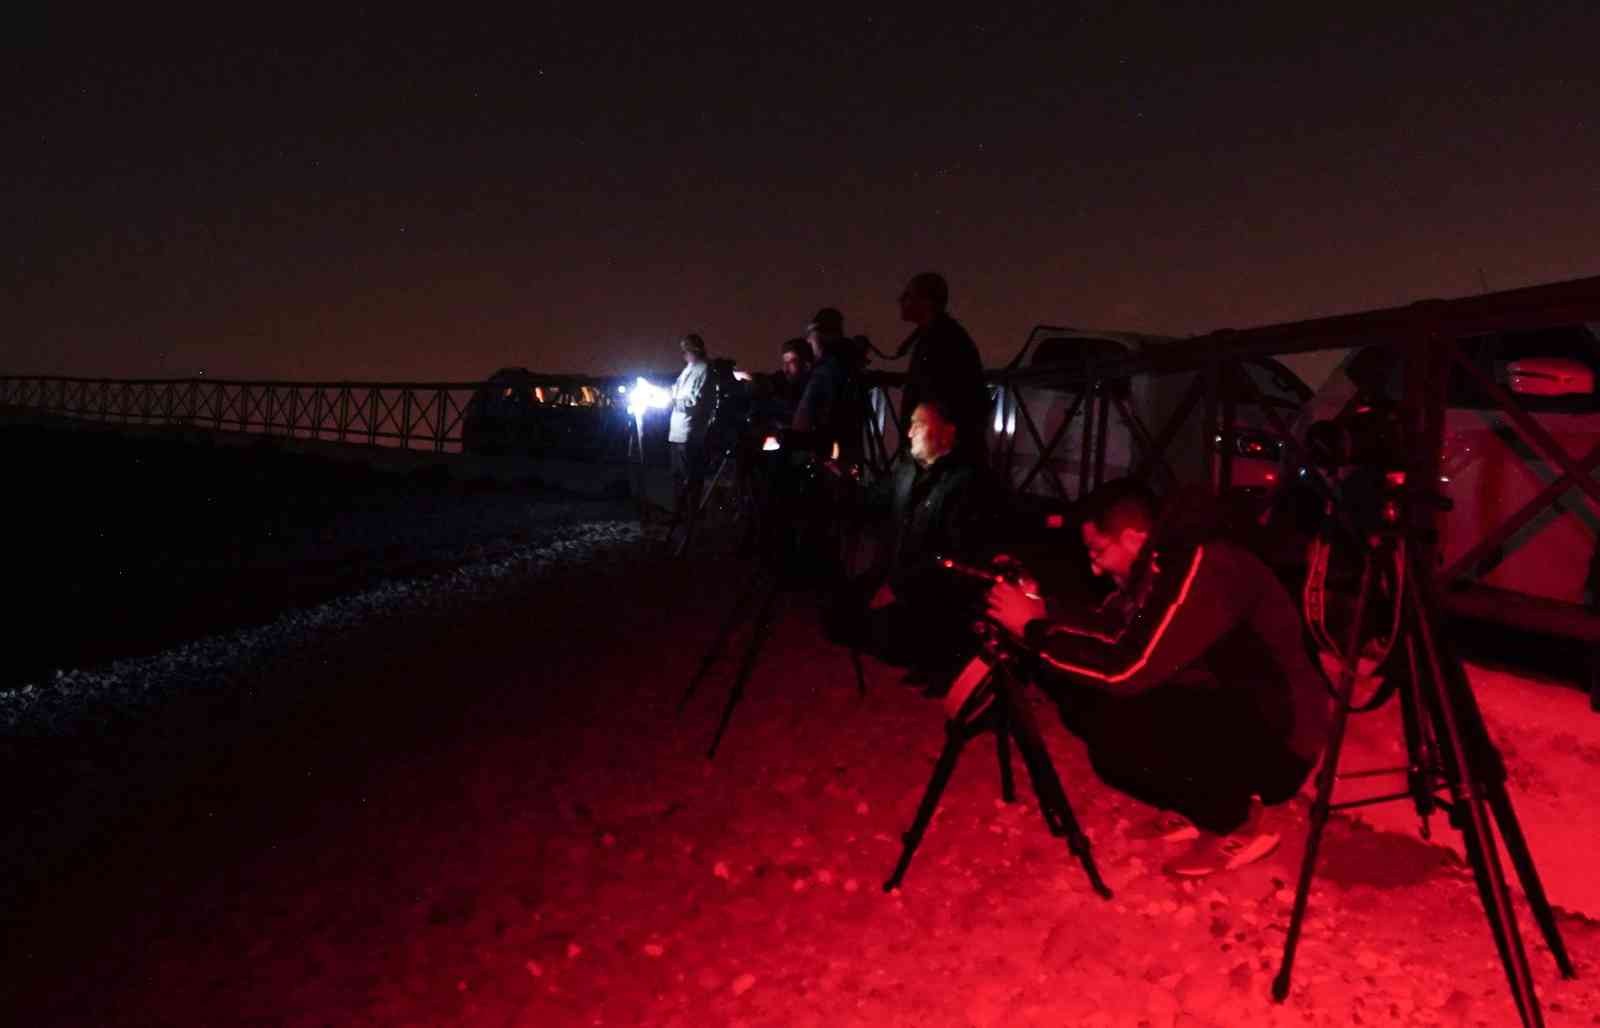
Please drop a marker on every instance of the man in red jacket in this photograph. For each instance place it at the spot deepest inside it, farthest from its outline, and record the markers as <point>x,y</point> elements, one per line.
<point>1204,699</point>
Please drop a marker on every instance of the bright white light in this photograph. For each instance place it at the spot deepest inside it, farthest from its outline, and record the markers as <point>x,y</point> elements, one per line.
<point>646,396</point>
<point>622,390</point>
<point>1000,416</point>
<point>1011,422</point>
<point>770,443</point>
<point>741,376</point>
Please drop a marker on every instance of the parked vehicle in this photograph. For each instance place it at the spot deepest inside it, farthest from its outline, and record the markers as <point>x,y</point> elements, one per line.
<point>516,412</point>
<point>1094,441</point>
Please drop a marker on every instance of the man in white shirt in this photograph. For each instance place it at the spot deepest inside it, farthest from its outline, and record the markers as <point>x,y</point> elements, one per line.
<point>686,432</point>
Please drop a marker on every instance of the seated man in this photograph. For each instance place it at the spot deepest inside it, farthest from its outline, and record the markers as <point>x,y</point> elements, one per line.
<point>905,609</point>
<point>1199,694</point>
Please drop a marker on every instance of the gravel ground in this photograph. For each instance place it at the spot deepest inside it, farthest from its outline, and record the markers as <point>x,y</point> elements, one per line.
<point>130,545</point>
<point>489,815</point>
<point>458,793</point>
<point>78,700</point>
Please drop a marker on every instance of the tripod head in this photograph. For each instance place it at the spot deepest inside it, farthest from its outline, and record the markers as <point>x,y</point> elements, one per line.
<point>1365,456</point>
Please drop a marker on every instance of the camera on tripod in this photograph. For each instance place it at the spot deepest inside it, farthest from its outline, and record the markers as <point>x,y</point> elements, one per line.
<point>1368,450</point>
<point>969,691</point>
<point>1451,762</point>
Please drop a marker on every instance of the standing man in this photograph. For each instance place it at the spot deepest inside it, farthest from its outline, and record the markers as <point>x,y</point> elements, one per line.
<point>797,358</point>
<point>945,366</point>
<point>830,409</point>
<point>686,431</point>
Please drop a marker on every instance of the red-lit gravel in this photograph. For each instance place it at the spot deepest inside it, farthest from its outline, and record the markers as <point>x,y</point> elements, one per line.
<point>488,815</point>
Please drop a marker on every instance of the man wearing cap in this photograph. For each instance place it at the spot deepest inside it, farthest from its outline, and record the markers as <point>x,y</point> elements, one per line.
<point>945,366</point>
<point>830,407</point>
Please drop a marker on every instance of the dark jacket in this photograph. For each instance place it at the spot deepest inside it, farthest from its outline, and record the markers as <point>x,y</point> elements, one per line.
<point>1206,606</point>
<point>830,409</point>
<point>943,510</point>
<point>945,366</point>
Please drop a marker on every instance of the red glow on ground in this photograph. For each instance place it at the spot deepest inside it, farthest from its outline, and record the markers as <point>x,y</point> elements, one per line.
<point>496,818</point>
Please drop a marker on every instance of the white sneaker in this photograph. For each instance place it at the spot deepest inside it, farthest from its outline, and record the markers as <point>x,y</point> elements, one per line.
<point>1255,840</point>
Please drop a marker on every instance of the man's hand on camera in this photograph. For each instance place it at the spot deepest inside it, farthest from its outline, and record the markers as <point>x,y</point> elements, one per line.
<point>1012,606</point>
<point>1011,569</point>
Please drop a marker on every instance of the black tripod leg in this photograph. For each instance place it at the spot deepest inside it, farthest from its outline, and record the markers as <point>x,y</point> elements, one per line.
<point>1002,749</point>
<point>1496,898</point>
<point>1517,845</point>
<point>1320,809</point>
<point>752,650</point>
<point>1322,806</point>
<point>1453,710</point>
<point>955,738</point>
<point>736,614</point>
<point>1047,787</point>
<point>1422,754</point>
<point>697,507</point>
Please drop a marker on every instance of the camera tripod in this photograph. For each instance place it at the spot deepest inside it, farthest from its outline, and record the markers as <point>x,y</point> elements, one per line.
<point>695,506</point>
<point>758,601</point>
<point>1448,747</point>
<point>986,697</point>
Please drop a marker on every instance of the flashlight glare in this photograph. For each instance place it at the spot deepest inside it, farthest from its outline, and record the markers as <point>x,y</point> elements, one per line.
<point>645,396</point>
<point>769,444</point>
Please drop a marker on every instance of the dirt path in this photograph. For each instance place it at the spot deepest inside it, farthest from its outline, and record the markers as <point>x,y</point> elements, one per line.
<point>491,817</point>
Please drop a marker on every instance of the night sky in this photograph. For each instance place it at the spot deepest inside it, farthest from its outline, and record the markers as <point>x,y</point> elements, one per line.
<point>347,196</point>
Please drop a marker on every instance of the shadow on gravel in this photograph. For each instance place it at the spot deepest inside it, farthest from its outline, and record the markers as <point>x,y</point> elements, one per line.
<point>1354,854</point>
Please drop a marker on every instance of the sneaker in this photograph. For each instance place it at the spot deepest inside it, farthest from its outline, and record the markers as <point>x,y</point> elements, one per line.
<point>1168,826</point>
<point>1210,854</point>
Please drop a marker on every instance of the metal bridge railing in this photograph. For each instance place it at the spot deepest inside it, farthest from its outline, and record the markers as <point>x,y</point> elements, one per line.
<point>408,415</point>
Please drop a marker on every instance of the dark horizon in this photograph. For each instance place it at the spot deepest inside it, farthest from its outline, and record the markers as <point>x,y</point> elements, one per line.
<point>571,195</point>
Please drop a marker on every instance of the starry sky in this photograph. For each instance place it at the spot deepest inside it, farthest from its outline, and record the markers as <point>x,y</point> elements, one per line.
<point>353,196</point>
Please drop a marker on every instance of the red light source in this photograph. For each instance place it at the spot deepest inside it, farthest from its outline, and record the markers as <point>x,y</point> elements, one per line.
<point>1054,520</point>
<point>1395,479</point>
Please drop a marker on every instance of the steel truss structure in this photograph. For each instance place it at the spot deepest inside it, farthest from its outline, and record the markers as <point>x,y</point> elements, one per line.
<point>1213,372</point>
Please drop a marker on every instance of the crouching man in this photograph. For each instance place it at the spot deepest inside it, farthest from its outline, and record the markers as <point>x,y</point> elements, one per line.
<point>1193,687</point>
